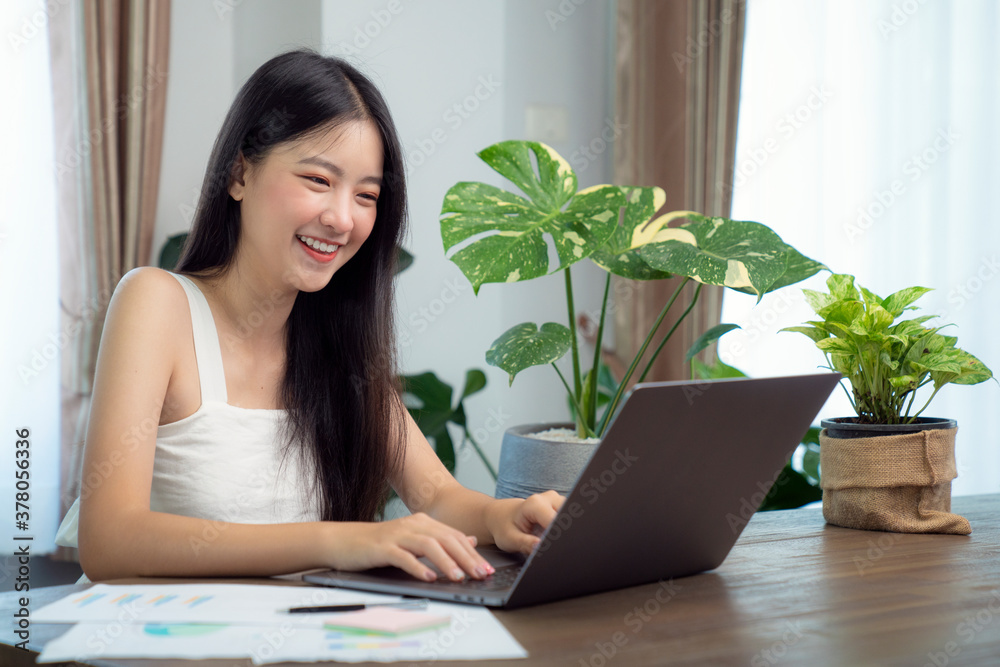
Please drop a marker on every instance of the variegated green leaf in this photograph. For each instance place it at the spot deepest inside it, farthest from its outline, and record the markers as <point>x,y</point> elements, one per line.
<point>841,286</point>
<point>618,255</point>
<point>549,188</point>
<point>504,234</point>
<point>525,345</point>
<point>798,267</point>
<point>709,337</point>
<point>814,333</point>
<point>739,254</point>
<point>900,301</point>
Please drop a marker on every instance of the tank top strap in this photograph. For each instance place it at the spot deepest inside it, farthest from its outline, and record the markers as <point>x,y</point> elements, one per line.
<point>206,344</point>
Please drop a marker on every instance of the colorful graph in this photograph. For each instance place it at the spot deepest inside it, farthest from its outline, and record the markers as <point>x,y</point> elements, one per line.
<point>363,640</point>
<point>182,629</point>
<point>142,598</point>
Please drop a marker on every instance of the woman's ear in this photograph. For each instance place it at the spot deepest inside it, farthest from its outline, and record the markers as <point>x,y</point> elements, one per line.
<point>237,184</point>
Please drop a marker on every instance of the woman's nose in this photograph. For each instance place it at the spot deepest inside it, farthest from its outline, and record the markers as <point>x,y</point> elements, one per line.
<point>337,216</point>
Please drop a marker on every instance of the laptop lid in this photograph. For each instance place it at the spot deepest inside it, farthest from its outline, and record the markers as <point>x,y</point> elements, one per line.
<point>680,471</point>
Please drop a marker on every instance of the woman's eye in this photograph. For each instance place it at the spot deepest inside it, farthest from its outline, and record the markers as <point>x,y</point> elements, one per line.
<point>370,197</point>
<point>317,180</point>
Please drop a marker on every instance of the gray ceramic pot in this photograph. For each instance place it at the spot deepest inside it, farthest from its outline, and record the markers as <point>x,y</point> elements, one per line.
<point>529,465</point>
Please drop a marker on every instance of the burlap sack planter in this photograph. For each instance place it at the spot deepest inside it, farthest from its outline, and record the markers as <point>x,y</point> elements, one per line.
<point>893,477</point>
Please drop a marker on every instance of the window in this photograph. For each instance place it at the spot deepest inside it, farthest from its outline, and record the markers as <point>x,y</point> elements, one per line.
<point>868,140</point>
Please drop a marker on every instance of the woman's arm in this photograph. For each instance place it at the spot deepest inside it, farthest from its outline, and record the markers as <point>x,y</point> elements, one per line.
<point>119,536</point>
<point>426,486</point>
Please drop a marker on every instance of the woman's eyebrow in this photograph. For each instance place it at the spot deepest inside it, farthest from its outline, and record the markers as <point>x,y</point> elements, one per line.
<point>337,171</point>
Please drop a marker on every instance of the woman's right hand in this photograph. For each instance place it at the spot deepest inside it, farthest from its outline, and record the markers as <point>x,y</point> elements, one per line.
<point>401,542</point>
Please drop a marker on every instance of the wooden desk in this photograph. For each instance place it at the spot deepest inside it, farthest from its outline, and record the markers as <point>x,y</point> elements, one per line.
<point>794,591</point>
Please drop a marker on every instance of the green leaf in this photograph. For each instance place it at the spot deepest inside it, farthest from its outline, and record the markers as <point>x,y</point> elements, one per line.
<point>170,254</point>
<point>790,490</point>
<point>718,370</point>
<point>817,300</point>
<point>814,333</point>
<point>434,401</point>
<point>550,188</point>
<point>898,302</point>
<point>841,286</point>
<point>507,233</point>
<point>618,255</point>
<point>745,256</point>
<point>403,260</point>
<point>475,381</point>
<point>836,345</point>
<point>708,338</point>
<point>798,267</point>
<point>525,345</point>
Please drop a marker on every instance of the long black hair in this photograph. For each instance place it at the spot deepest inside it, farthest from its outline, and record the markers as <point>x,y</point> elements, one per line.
<point>340,386</point>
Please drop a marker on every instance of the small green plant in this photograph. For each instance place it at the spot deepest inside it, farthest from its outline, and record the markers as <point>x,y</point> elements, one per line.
<point>496,236</point>
<point>885,359</point>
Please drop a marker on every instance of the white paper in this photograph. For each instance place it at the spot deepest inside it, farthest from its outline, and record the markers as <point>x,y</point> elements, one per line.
<point>199,603</point>
<point>202,621</point>
<point>89,641</point>
<point>474,634</point>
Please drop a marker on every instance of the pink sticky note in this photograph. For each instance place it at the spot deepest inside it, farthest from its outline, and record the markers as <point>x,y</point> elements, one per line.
<point>387,621</point>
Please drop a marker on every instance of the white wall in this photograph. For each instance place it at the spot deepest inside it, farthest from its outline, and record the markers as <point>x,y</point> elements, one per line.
<point>426,58</point>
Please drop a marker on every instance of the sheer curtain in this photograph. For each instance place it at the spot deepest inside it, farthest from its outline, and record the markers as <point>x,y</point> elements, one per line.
<point>868,139</point>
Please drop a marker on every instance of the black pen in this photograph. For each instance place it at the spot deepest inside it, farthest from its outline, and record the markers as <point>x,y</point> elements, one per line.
<point>420,603</point>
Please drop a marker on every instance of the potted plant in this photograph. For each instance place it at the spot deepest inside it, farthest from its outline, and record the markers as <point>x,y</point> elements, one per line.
<point>497,236</point>
<point>887,468</point>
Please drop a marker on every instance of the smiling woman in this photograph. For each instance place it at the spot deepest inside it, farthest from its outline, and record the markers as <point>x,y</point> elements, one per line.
<point>275,452</point>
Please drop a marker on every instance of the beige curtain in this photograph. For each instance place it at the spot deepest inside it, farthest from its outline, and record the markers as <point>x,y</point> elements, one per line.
<point>109,71</point>
<point>678,68</point>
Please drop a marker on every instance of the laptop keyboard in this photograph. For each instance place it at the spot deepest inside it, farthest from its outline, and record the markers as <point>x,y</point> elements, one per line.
<point>502,578</point>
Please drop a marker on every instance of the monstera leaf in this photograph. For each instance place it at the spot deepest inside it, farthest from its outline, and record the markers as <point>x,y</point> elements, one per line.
<point>508,232</point>
<point>742,255</point>
<point>525,345</point>
<point>620,254</point>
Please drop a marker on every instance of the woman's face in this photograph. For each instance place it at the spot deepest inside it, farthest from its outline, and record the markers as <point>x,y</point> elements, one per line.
<point>309,205</point>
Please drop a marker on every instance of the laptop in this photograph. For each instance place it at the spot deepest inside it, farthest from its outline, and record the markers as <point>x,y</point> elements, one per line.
<point>677,476</point>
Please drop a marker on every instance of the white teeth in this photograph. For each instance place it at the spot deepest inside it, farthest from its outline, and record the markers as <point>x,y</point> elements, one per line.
<point>317,245</point>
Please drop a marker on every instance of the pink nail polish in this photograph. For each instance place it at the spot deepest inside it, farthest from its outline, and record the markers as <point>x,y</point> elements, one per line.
<point>429,575</point>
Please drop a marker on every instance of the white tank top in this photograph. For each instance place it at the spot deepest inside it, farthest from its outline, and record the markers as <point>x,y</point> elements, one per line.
<point>222,462</point>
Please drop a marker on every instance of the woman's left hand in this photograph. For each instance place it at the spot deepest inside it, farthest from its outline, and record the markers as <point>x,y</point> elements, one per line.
<point>516,523</point>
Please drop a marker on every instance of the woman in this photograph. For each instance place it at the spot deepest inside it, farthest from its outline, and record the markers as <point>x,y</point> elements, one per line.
<point>267,367</point>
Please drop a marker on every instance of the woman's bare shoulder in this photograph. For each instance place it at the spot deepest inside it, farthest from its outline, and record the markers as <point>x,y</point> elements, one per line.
<point>150,300</point>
